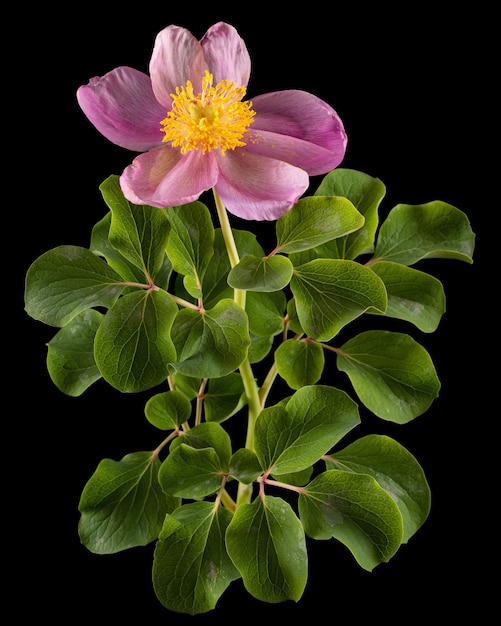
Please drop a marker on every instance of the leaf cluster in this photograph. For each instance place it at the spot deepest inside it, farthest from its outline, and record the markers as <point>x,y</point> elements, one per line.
<point>152,302</point>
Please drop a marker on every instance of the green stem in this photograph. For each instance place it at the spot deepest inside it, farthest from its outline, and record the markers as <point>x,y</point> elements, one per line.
<point>227,500</point>
<point>249,382</point>
<point>268,382</point>
<point>254,402</point>
<point>229,241</point>
<point>244,493</point>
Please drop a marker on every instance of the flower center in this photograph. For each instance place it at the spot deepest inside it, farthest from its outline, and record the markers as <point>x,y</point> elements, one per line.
<point>215,118</point>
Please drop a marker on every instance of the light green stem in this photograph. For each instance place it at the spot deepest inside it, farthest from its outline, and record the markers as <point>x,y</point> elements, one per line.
<point>249,382</point>
<point>254,403</point>
<point>229,241</point>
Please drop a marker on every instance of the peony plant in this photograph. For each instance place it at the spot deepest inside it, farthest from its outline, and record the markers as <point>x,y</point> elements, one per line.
<point>170,298</point>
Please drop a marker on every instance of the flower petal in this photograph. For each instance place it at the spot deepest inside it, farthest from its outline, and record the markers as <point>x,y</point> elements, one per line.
<point>122,107</point>
<point>177,57</point>
<point>258,188</point>
<point>226,54</point>
<point>164,177</point>
<point>299,115</point>
<point>304,154</point>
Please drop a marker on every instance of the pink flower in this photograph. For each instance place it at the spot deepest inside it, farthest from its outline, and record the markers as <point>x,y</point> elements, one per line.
<point>195,131</point>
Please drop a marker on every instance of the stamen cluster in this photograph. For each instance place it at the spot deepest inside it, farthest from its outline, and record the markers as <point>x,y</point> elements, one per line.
<point>214,119</point>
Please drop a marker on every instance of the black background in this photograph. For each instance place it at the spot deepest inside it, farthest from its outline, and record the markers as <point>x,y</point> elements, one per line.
<point>412,87</point>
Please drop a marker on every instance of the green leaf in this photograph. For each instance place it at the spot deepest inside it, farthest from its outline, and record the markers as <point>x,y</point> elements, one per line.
<point>290,437</point>
<point>329,250</point>
<point>211,343</point>
<point>133,348</point>
<point>433,230</point>
<point>70,354</point>
<point>244,466</point>
<point>215,284</point>
<point>67,280</point>
<point>139,233</point>
<point>397,472</point>
<point>191,473</point>
<point>293,323</point>
<point>224,397</point>
<point>266,312</point>
<point>168,410</point>
<point>331,293</point>
<point>297,478</point>
<point>252,273</point>
<point>191,568</point>
<point>122,505</point>
<point>259,348</point>
<point>191,243</point>
<point>246,243</point>
<point>101,246</point>
<point>207,435</point>
<point>365,193</point>
<point>266,542</point>
<point>392,374</point>
<point>300,363</point>
<point>187,385</point>
<point>412,295</point>
<point>355,510</point>
<point>315,220</point>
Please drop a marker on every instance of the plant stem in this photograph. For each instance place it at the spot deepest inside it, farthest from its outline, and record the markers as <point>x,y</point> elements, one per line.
<point>249,382</point>
<point>254,403</point>
<point>227,500</point>
<point>268,382</point>
<point>229,241</point>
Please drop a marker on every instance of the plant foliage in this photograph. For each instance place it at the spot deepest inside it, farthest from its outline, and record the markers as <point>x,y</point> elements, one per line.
<point>154,304</point>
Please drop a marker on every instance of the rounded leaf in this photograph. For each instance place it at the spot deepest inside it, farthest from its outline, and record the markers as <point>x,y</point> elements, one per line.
<point>70,354</point>
<point>122,504</point>
<point>412,295</point>
<point>191,568</point>
<point>397,472</point>
<point>314,220</point>
<point>356,510</point>
<point>266,542</point>
<point>261,273</point>
<point>433,230</point>
<point>300,363</point>
<point>190,472</point>
<point>67,280</point>
<point>291,436</point>
<point>330,293</point>
<point>392,374</point>
<point>133,347</point>
<point>211,343</point>
<point>168,410</point>
<point>266,312</point>
<point>366,194</point>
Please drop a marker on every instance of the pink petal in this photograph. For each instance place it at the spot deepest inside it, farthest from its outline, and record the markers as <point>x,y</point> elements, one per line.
<point>298,115</point>
<point>177,57</point>
<point>164,177</point>
<point>304,154</point>
<point>122,107</point>
<point>258,188</point>
<point>226,54</point>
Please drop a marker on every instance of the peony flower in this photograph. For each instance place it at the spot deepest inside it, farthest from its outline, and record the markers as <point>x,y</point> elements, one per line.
<point>195,131</point>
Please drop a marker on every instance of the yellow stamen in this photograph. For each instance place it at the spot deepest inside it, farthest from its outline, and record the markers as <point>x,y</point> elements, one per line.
<point>214,119</point>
